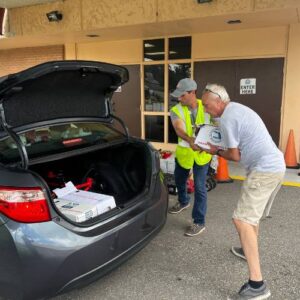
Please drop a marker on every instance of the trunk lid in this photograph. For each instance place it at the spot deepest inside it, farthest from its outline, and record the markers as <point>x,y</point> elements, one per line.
<point>59,89</point>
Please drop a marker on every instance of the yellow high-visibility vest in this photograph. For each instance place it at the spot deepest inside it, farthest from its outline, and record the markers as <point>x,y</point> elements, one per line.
<point>185,155</point>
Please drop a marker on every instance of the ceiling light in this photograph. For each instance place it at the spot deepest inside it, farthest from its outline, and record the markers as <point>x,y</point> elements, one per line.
<point>92,35</point>
<point>203,1</point>
<point>234,21</point>
<point>159,53</point>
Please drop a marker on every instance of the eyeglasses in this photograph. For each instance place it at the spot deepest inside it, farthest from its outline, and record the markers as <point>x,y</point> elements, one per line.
<point>210,91</point>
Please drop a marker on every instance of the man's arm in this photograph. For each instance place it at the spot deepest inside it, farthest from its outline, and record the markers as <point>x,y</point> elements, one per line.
<point>178,125</point>
<point>233,154</point>
<point>230,154</point>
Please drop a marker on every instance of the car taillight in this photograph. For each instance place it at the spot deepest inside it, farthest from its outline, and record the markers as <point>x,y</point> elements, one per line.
<point>26,205</point>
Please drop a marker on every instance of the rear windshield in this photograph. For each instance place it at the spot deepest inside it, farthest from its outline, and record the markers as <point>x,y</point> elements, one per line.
<point>57,139</point>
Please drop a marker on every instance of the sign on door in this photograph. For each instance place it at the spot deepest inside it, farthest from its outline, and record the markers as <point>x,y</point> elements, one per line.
<point>248,86</point>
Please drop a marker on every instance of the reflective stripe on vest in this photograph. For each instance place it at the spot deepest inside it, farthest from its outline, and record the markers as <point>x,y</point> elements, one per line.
<point>185,155</point>
<point>182,142</point>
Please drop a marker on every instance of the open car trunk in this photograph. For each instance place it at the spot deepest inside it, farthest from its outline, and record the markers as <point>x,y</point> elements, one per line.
<point>121,171</point>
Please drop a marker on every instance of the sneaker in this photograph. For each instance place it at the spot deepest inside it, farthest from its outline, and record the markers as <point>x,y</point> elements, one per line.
<point>194,229</point>
<point>177,208</point>
<point>237,251</point>
<point>248,293</point>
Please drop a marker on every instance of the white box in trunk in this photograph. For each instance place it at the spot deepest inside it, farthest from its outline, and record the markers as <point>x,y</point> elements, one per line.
<point>103,203</point>
<point>82,205</point>
<point>77,212</point>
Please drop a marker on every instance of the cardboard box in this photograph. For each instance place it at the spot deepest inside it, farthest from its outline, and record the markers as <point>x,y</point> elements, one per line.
<point>77,212</point>
<point>103,203</point>
<point>209,134</point>
<point>82,205</point>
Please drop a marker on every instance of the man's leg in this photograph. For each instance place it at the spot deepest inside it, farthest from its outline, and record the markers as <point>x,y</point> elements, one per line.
<point>181,175</point>
<point>200,193</point>
<point>200,203</point>
<point>238,251</point>
<point>248,234</point>
<point>257,190</point>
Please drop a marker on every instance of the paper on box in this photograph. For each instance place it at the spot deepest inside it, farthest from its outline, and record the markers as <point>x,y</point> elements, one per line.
<point>77,212</point>
<point>103,203</point>
<point>209,134</point>
<point>82,205</point>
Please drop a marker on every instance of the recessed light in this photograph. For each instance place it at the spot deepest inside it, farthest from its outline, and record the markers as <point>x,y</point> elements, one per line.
<point>92,35</point>
<point>203,1</point>
<point>234,21</point>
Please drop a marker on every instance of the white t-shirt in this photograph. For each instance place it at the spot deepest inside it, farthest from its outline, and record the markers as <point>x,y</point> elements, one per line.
<point>242,128</point>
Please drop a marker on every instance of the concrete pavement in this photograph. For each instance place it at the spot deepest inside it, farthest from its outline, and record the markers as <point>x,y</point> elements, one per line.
<point>175,267</point>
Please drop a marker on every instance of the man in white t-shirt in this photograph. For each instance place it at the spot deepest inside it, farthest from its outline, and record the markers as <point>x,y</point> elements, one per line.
<point>248,141</point>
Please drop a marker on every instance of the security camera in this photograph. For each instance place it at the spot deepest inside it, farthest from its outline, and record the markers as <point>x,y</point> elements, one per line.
<point>54,16</point>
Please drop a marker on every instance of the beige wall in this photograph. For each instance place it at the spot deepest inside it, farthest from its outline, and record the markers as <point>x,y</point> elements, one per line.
<point>119,52</point>
<point>89,15</point>
<point>249,43</point>
<point>123,24</point>
<point>183,9</point>
<point>31,20</point>
<point>112,13</point>
<point>81,15</point>
<point>261,42</point>
<point>291,107</point>
<point>70,51</point>
<point>246,43</point>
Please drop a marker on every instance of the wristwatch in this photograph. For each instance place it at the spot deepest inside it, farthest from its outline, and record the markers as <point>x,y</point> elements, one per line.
<point>218,152</point>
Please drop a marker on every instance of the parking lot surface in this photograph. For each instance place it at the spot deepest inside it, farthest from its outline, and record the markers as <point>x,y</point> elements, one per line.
<point>173,266</point>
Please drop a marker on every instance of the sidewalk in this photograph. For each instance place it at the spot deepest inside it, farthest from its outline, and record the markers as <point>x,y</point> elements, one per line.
<point>291,178</point>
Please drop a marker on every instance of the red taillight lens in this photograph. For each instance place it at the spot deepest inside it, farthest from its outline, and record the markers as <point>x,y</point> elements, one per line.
<point>26,205</point>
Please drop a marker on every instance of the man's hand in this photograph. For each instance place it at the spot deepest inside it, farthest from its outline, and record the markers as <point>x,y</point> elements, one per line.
<point>212,150</point>
<point>233,154</point>
<point>180,131</point>
<point>191,141</point>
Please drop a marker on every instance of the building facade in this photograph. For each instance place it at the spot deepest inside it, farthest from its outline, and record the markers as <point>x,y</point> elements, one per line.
<point>250,46</point>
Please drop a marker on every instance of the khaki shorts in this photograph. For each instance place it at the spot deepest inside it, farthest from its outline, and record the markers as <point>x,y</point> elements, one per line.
<point>257,196</point>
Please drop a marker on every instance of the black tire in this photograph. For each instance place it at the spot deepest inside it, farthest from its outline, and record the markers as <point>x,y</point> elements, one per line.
<point>208,185</point>
<point>214,183</point>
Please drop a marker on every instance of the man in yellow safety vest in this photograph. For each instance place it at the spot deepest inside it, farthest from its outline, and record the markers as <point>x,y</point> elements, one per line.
<point>186,117</point>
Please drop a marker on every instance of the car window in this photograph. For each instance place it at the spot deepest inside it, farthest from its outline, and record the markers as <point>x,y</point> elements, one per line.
<point>56,139</point>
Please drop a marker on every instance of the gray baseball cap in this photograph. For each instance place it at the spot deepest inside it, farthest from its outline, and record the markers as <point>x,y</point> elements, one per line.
<point>183,86</point>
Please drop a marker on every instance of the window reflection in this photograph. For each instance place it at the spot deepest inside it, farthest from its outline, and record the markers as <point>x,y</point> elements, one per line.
<point>154,88</point>
<point>57,138</point>
<point>154,50</point>
<point>180,47</point>
<point>172,134</point>
<point>177,72</point>
<point>154,128</point>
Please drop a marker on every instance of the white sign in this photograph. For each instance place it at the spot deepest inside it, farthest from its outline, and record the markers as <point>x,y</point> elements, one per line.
<point>248,86</point>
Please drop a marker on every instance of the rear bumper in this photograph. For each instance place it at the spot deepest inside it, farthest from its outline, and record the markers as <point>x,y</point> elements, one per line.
<point>41,260</point>
<point>110,265</point>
